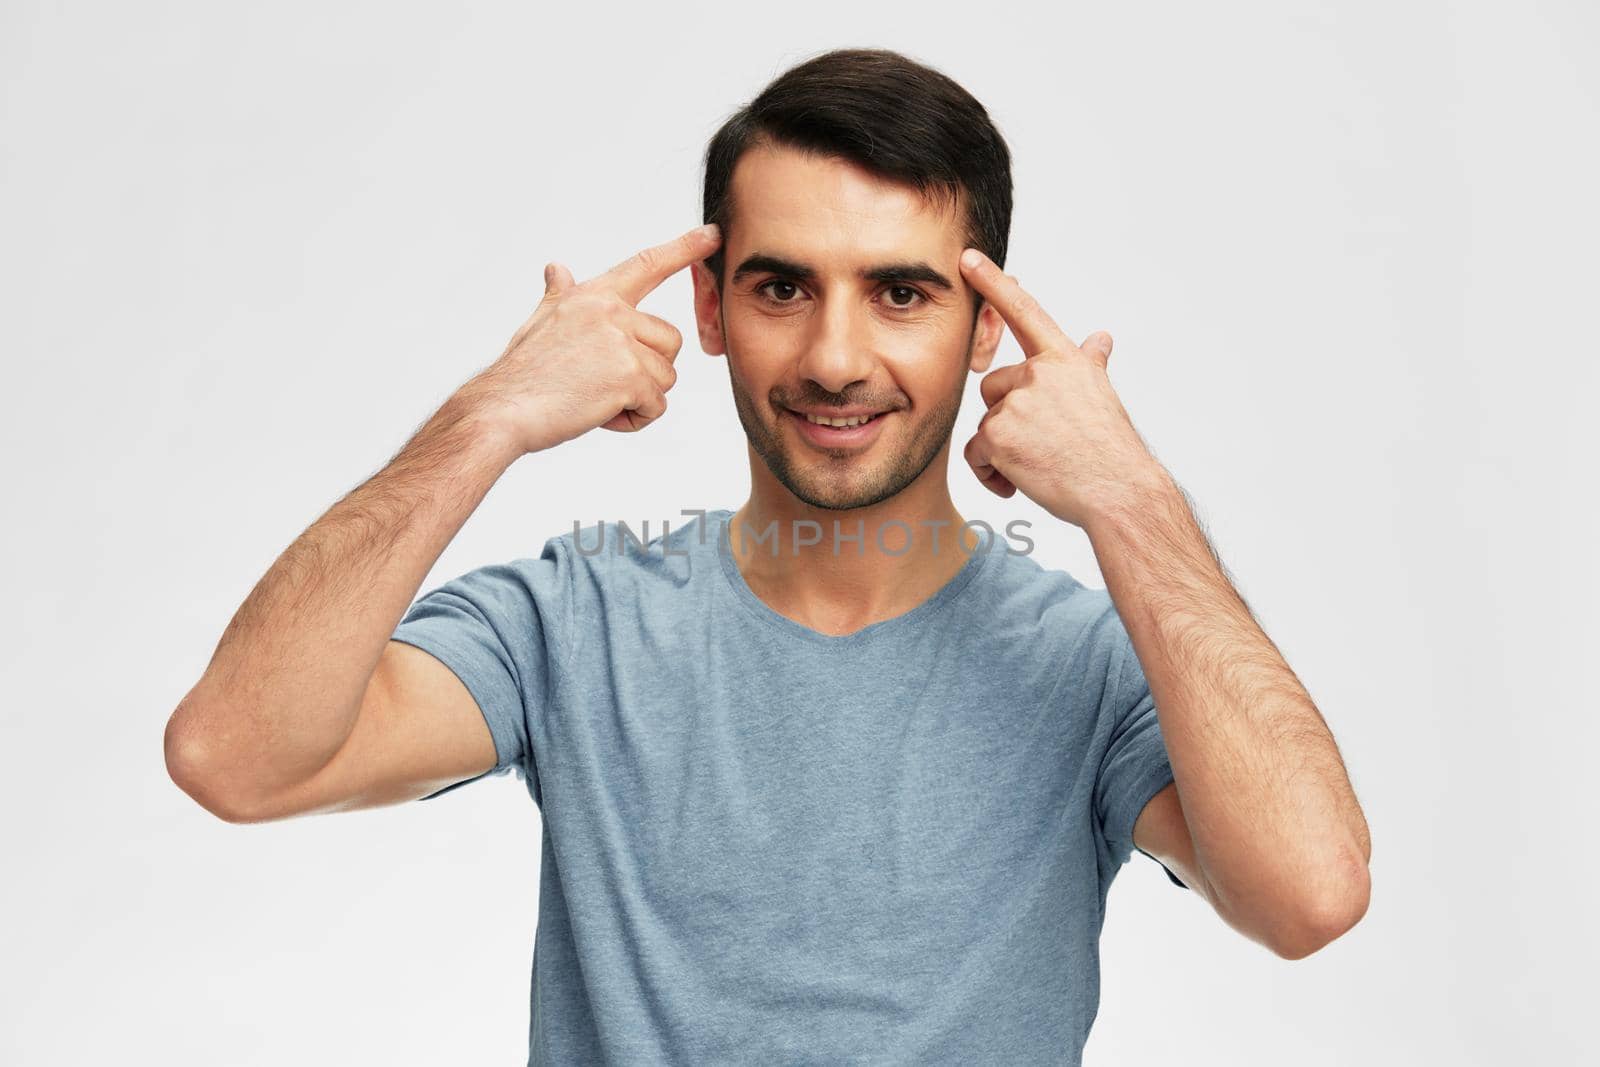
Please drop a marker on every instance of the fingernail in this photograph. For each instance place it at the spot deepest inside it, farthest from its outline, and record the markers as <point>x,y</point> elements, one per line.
<point>710,229</point>
<point>971,257</point>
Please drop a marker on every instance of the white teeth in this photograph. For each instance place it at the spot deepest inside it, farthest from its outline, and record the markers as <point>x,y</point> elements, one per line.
<point>856,420</point>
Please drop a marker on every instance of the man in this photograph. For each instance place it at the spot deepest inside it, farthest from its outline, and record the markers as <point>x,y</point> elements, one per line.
<point>835,777</point>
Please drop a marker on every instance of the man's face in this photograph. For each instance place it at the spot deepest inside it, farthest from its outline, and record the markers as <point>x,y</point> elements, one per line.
<point>842,299</point>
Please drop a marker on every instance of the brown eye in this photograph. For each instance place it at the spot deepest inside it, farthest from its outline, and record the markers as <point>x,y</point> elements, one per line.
<point>770,288</point>
<point>910,293</point>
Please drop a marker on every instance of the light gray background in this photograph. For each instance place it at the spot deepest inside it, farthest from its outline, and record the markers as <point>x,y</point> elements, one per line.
<point>1347,254</point>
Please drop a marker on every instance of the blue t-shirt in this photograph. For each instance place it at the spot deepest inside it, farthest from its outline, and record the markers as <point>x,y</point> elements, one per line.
<point>764,844</point>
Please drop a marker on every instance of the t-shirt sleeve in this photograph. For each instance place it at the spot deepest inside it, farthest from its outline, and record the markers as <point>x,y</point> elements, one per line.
<point>1135,766</point>
<point>503,630</point>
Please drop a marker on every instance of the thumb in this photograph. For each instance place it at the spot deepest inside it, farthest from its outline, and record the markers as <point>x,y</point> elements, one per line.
<point>1098,344</point>
<point>556,278</point>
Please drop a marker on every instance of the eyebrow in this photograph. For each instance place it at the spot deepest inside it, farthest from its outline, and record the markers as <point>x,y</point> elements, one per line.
<point>761,263</point>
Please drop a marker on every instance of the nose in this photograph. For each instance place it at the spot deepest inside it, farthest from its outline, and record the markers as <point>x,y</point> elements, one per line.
<point>838,352</point>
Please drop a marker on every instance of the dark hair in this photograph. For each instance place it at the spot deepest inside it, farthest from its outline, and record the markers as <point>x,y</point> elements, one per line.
<point>886,113</point>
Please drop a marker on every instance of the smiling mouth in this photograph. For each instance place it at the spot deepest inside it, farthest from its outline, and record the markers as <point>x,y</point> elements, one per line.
<point>851,431</point>
<point>844,422</point>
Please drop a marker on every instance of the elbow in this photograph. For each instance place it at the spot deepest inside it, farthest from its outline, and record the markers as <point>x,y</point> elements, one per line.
<point>190,764</point>
<point>1328,917</point>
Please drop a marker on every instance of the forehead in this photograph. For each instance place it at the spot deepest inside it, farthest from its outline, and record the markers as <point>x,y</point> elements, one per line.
<point>788,201</point>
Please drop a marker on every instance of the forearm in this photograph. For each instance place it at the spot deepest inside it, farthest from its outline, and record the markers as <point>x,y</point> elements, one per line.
<point>285,684</point>
<point>1275,824</point>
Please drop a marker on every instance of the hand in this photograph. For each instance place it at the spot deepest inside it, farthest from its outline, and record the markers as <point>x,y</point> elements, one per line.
<point>587,356</point>
<point>1055,428</point>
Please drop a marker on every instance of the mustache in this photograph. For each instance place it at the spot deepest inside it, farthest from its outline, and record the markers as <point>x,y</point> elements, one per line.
<point>822,398</point>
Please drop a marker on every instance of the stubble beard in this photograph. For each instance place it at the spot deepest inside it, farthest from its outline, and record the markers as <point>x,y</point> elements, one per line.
<point>834,483</point>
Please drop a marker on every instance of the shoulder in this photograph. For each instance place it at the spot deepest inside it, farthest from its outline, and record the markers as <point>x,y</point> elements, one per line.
<point>1050,613</point>
<point>1032,593</point>
<point>632,555</point>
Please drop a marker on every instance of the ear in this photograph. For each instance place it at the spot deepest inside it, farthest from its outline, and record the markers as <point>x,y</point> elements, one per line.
<point>986,337</point>
<point>708,310</point>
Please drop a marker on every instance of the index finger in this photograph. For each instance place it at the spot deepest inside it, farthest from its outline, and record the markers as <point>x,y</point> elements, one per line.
<point>634,277</point>
<point>1035,330</point>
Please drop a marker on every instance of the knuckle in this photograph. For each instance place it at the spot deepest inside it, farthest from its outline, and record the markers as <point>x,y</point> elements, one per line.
<point>647,260</point>
<point>620,365</point>
<point>586,304</point>
<point>618,337</point>
<point>983,440</point>
<point>1002,440</point>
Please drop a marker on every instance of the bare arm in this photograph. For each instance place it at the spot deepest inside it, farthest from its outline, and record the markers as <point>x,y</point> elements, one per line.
<point>285,686</point>
<point>1260,818</point>
<point>306,704</point>
<point>1268,823</point>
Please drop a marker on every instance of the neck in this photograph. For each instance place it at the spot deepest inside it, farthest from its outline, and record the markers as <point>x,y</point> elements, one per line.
<point>885,560</point>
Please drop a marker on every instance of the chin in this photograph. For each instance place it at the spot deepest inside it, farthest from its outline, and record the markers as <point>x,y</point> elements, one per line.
<point>864,484</point>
